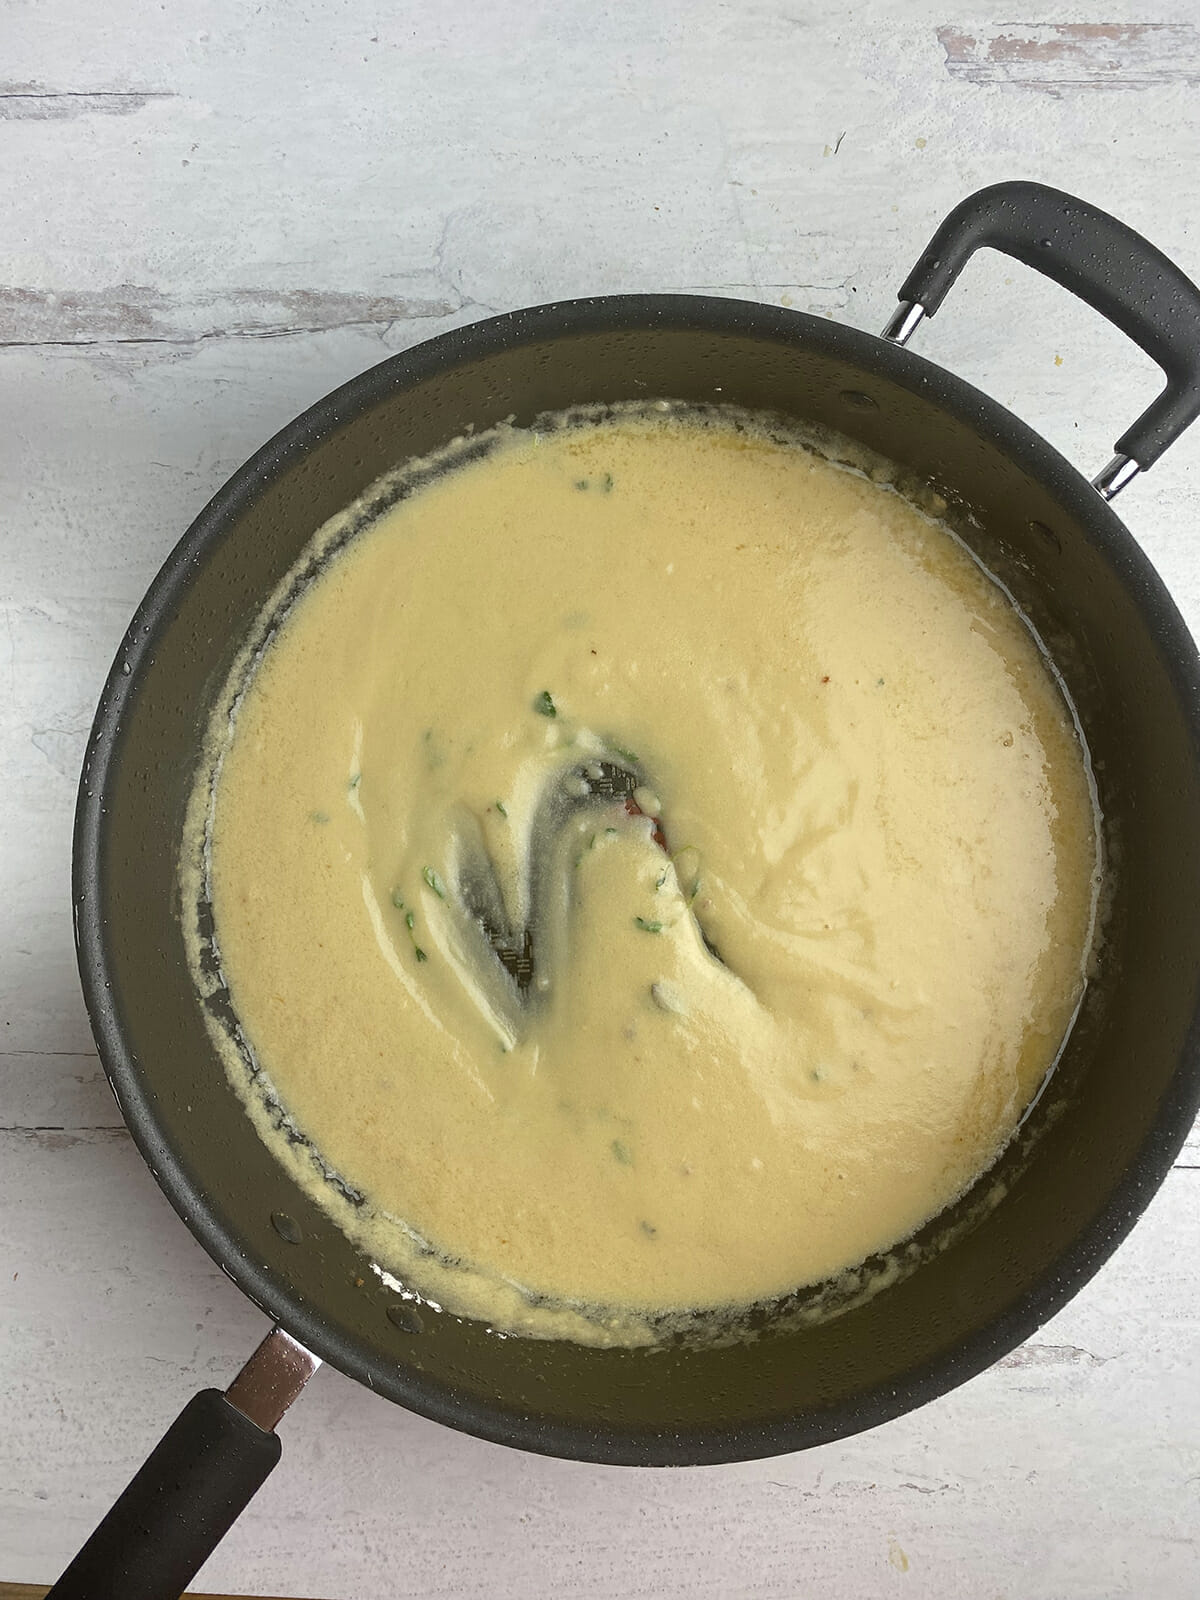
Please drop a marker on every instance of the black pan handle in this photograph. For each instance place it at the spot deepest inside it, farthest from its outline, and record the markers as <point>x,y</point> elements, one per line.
<point>1106,264</point>
<point>178,1507</point>
<point>195,1484</point>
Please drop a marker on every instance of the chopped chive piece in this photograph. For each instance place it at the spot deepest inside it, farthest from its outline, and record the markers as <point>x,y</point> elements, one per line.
<point>318,816</point>
<point>621,1150</point>
<point>660,880</point>
<point>648,1229</point>
<point>434,882</point>
<point>420,954</point>
<point>502,808</point>
<point>606,482</point>
<point>544,705</point>
<point>397,900</point>
<point>409,920</point>
<point>581,483</point>
<point>648,926</point>
<point>356,780</point>
<point>610,830</point>
<point>626,755</point>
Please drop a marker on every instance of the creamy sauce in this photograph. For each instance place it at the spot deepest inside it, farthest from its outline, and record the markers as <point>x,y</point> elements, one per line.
<point>774,1013</point>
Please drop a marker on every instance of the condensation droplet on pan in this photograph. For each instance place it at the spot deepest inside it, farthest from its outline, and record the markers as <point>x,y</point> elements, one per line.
<point>1046,533</point>
<point>407,1318</point>
<point>286,1227</point>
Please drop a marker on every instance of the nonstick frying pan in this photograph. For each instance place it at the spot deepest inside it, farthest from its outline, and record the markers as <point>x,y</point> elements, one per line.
<point>1086,1160</point>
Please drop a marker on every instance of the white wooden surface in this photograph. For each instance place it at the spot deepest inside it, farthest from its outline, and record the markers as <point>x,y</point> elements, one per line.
<point>214,212</point>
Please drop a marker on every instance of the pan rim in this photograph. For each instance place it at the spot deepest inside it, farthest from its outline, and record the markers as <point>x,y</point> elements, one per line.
<point>707,1444</point>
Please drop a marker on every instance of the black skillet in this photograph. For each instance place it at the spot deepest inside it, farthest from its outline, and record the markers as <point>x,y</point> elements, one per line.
<point>1087,1160</point>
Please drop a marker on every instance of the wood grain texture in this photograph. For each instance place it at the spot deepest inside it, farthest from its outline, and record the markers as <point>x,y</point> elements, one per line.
<point>134,314</point>
<point>213,214</point>
<point>34,102</point>
<point>1054,58</point>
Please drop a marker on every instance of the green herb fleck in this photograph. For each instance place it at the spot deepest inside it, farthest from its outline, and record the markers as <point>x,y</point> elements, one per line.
<point>606,482</point>
<point>648,925</point>
<point>648,1229</point>
<point>318,816</point>
<point>660,880</point>
<point>879,683</point>
<point>410,920</point>
<point>356,780</point>
<point>544,705</point>
<point>434,882</point>
<point>610,830</point>
<point>502,809</point>
<point>581,483</point>
<point>621,1151</point>
<point>626,755</point>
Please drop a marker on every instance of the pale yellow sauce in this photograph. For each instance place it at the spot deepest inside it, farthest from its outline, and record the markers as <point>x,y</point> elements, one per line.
<point>880,817</point>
